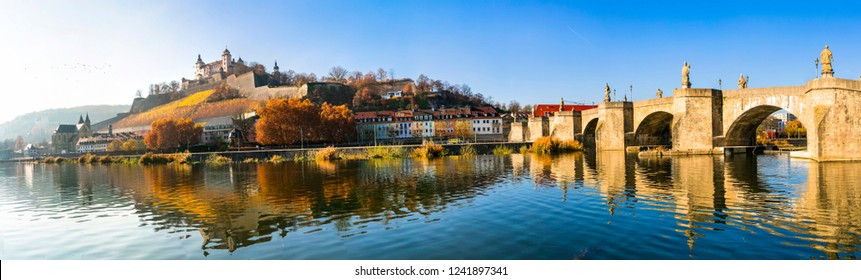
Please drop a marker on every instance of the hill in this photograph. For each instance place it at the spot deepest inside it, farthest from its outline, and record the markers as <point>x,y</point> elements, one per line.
<point>38,126</point>
<point>194,106</point>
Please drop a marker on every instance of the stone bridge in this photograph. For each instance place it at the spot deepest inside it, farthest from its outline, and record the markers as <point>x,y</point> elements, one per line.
<point>705,121</point>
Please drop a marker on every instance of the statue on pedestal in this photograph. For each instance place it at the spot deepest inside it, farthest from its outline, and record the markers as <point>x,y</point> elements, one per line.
<point>825,58</point>
<point>742,82</point>
<point>606,92</point>
<point>561,104</point>
<point>660,93</point>
<point>686,72</point>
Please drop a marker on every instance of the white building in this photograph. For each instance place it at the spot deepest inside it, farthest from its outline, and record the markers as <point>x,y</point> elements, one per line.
<point>216,130</point>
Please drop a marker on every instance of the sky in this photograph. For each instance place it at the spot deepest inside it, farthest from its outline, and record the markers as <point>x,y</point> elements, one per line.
<point>59,54</point>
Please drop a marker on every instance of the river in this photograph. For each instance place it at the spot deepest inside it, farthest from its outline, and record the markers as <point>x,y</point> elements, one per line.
<point>576,206</point>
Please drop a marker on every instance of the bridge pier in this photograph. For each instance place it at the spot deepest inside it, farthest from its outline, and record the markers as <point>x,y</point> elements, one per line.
<point>697,119</point>
<point>616,118</point>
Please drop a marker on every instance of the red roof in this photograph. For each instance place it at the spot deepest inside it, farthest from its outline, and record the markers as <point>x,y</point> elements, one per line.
<point>550,109</point>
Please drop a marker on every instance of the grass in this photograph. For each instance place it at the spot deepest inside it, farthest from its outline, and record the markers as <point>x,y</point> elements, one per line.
<point>524,149</point>
<point>276,159</point>
<point>328,153</point>
<point>429,150</point>
<point>467,150</point>
<point>151,158</point>
<point>384,152</point>
<point>550,145</point>
<point>502,150</point>
<point>216,159</point>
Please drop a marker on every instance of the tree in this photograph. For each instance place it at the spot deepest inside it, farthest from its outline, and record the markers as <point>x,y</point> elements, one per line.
<point>19,143</point>
<point>337,123</point>
<point>793,128</point>
<point>115,146</point>
<point>287,121</point>
<point>514,106</point>
<point>463,130</point>
<point>423,83</point>
<point>381,74</point>
<point>134,145</point>
<point>338,73</point>
<point>169,133</point>
<point>188,132</point>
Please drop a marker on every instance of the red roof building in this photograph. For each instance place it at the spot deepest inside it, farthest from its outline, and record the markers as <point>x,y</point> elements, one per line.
<point>542,110</point>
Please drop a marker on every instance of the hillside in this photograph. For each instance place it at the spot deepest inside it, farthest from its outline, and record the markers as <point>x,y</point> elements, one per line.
<point>38,126</point>
<point>194,106</point>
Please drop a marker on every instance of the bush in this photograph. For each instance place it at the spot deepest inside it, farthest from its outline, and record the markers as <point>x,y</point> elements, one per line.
<point>106,159</point>
<point>277,159</point>
<point>150,158</point>
<point>328,153</point>
<point>467,150</point>
<point>502,150</point>
<point>549,145</point>
<point>384,152</point>
<point>764,141</point>
<point>217,159</point>
<point>429,150</point>
<point>250,160</point>
<point>524,149</point>
<point>87,158</point>
<point>782,143</point>
<point>180,157</point>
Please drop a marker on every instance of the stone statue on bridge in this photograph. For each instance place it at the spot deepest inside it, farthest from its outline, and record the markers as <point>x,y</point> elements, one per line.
<point>825,58</point>
<point>660,93</point>
<point>742,82</point>
<point>686,72</point>
<point>606,92</point>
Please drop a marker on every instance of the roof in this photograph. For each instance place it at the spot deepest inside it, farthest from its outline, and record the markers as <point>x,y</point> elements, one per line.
<point>543,109</point>
<point>67,128</point>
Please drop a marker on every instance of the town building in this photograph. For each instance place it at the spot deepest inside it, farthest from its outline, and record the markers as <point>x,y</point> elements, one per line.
<point>66,136</point>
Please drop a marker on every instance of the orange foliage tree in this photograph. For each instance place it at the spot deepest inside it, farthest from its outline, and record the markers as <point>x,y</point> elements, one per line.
<point>282,122</point>
<point>337,123</point>
<point>169,133</point>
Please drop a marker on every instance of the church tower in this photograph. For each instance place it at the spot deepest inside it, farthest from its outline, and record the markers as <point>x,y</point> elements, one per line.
<point>275,69</point>
<point>226,63</point>
<point>198,68</point>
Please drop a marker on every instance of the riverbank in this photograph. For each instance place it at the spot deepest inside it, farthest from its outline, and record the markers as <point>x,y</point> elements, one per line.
<point>280,155</point>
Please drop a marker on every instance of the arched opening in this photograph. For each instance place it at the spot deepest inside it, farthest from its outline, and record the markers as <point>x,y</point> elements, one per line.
<point>589,133</point>
<point>655,130</point>
<point>766,125</point>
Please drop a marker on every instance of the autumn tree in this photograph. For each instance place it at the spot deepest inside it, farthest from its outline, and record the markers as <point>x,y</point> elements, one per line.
<point>337,123</point>
<point>115,146</point>
<point>169,133</point>
<point>134,145</point>
<point>794,128</point>
<point>423,83</point>
<point>463,130</point>
<point>287,121</point>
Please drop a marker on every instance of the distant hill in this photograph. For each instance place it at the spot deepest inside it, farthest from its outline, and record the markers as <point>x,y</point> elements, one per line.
<point>38,126</point>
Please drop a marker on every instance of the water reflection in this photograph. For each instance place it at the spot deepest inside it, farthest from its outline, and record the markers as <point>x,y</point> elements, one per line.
<point>784,208</point>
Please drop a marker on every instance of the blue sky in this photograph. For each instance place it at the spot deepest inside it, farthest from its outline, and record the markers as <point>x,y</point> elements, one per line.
<point>530,51</point>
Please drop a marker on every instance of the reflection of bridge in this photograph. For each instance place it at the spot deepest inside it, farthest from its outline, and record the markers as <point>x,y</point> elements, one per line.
<point>698,120</point>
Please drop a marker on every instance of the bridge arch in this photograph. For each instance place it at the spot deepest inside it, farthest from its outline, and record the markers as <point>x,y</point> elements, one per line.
<point>655,130</point>
<point>590,132</point>
<point>742,131</point>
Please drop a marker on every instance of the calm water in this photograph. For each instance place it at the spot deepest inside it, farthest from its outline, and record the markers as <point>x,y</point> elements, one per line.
<point>580,206</point>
